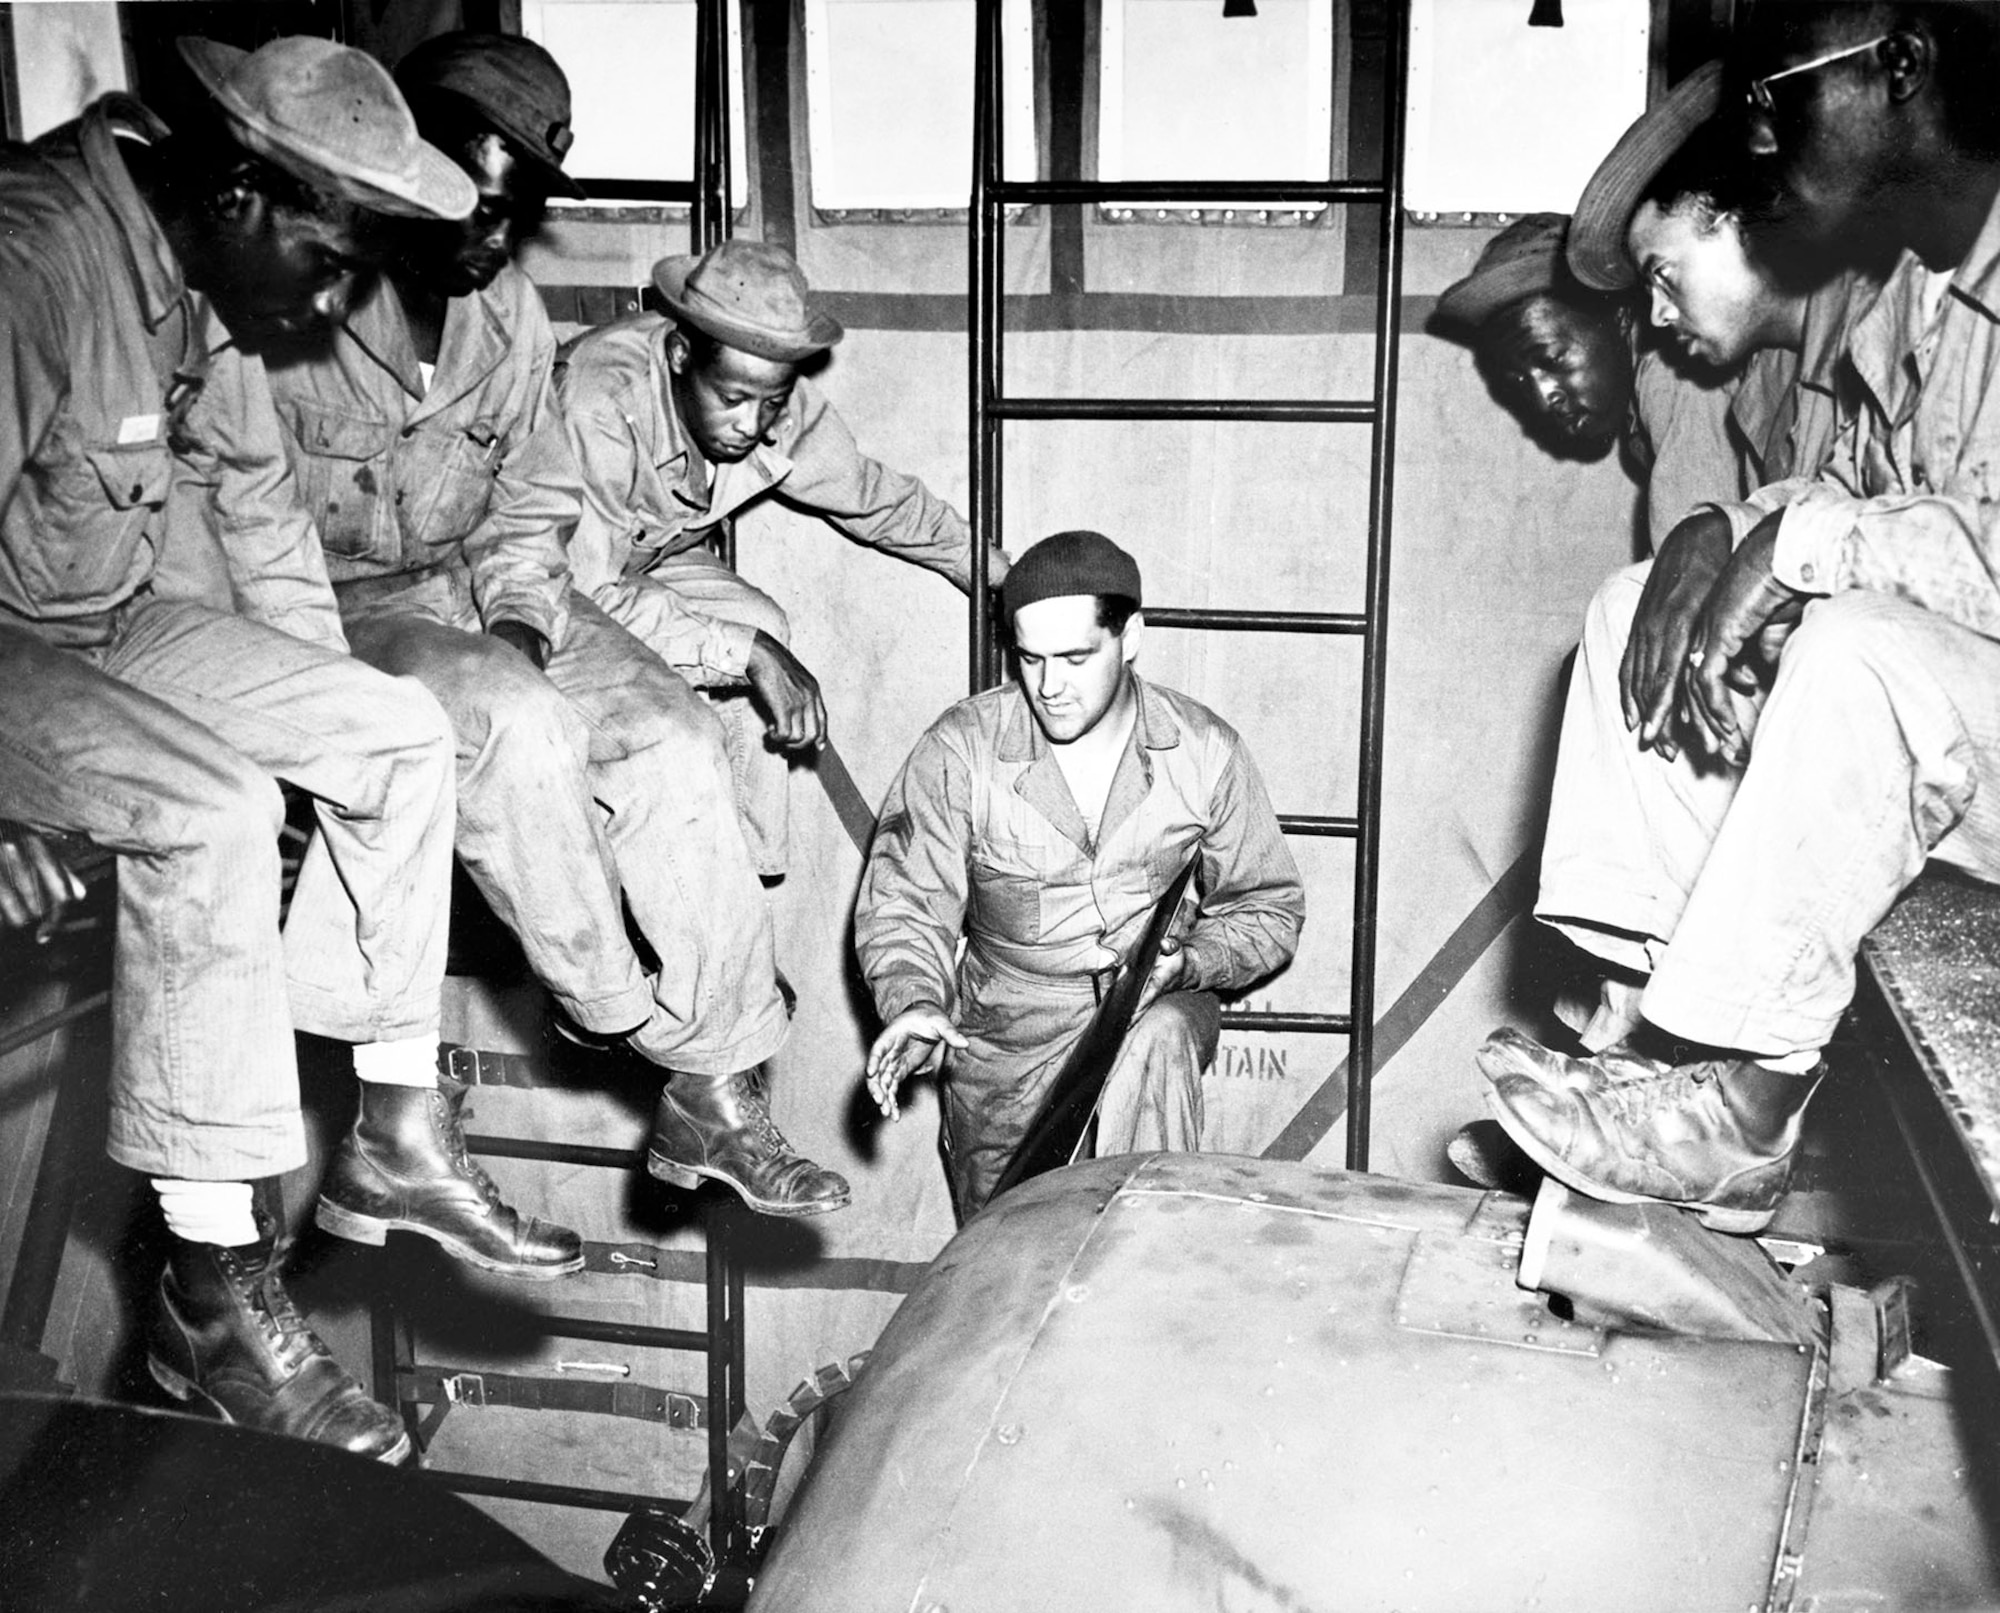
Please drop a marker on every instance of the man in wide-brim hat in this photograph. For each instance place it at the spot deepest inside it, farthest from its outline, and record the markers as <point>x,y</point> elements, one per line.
<point>592,780</point>
<point>679,422</point>
<point>137,270</point>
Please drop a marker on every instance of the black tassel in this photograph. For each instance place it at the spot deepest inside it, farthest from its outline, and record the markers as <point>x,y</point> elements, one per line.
<point>1239,8</point>
<point>1547,14</point>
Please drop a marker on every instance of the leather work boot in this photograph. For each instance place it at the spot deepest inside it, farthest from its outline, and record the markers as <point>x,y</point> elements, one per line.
<point>1717,1136</point>
<point>404,1168</point>
<point>225,1336</point>
<point>1508,1052</point>
<point>720,1126</point>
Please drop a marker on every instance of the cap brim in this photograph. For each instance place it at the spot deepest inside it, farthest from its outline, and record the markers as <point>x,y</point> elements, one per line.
<point>438,188</point>
<point>822,330</point>
<point>558,182</point>
<point>1604,212</point>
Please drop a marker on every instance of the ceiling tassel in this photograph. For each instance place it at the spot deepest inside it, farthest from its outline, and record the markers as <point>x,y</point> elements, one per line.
<point>1239,8</point>
<point>1547,14</point>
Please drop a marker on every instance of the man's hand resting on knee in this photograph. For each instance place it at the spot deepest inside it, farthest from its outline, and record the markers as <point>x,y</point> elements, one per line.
<point>787,694</point>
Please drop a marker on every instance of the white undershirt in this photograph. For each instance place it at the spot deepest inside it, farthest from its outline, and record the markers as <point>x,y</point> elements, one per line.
<point>426,373</point>
<point>1089,768</point>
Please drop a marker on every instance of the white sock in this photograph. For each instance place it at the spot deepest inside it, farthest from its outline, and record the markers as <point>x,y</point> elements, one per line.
<point>207,1212</point>
<point>1791,1063</point>
<point>408,1062</point>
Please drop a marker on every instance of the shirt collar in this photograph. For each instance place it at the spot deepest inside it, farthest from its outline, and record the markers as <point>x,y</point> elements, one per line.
<point>1022,739</point>
<point>158,271</point>
<point>474,343</point>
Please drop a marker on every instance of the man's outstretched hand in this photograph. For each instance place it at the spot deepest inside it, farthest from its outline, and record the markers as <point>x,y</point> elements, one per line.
<point>787,694</point>
<point>912,1043</point>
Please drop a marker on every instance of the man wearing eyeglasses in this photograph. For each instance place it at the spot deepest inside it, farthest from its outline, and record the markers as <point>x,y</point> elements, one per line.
<point>1878,744</point>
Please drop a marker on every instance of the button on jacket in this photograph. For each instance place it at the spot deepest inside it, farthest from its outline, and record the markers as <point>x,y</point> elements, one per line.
<point>120,386</point>
<point>648,494</point>
<point>476,471</point>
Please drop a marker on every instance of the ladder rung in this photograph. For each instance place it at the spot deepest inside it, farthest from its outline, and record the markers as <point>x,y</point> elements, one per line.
<point>558,1495</point>
<point>1261,621</point>
<point>555,1153</point>
<point>602,1332</point>
<point>1251,1019</point>
<point>1301,823</point>
<point>1184,192</point>
<point>1339,411</point>
<point>641,190</point>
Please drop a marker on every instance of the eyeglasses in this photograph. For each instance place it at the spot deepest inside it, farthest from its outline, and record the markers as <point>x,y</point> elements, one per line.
<point>1760,88</point>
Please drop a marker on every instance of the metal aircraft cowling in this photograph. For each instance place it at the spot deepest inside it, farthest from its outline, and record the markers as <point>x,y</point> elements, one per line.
<point>1204,1382</point>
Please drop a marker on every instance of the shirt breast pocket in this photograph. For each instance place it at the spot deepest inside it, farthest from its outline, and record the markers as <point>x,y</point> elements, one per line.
<point>1005,900</point>
<point>99,500</point>
<point>343,463</point>
<point>447,476</point>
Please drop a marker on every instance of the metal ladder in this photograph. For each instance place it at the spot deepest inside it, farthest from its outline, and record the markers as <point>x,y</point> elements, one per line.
<point>992,195</point>
<point>720,1340</point>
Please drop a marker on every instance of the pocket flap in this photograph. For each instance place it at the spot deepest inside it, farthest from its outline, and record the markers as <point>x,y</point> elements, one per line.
<point>133,476</point>
<point>325,433</point>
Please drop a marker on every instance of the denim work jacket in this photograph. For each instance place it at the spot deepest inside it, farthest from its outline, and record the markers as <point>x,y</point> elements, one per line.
<point>475,471</point>
<point>980,837</point>
<point>648,494</point>
<point>1909,501</point>
<point>125,396</point>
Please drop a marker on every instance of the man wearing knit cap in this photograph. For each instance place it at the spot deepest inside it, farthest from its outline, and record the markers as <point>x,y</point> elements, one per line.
<point>138,269</point>
<point>1039,823</point>
<point>591,778</point>
<point>678,423</point>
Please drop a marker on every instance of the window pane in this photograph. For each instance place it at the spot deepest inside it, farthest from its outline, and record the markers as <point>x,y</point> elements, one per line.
<point>631,76</point>
<point>1187,93</point>
<point>1505,118</point>
<point>889,101</point>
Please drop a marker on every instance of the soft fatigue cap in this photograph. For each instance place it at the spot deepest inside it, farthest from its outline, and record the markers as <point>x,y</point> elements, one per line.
<point>1597,253</point>
<point>1070,563</point>
<point>334,118</point>
<point>1524,258</point>
<point>512,83</point>
<point>750,296</point>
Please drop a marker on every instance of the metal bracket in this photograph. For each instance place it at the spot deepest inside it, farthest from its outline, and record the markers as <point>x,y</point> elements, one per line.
<point>464,1389</point>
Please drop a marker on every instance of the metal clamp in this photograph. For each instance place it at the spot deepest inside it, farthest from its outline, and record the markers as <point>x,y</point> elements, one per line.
<point>463,1389</point>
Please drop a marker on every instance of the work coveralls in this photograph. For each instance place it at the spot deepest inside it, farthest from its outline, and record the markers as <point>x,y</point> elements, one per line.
<point>650,502</point>
<point>1745,894</point>
<point>443,507</point>
<point>159,727</point>
<point>980,838</point>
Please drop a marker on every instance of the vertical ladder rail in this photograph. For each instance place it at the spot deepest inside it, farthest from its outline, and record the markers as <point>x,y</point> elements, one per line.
<point>991,408</point>
<point>984,335</point>
<point>1374,658</point>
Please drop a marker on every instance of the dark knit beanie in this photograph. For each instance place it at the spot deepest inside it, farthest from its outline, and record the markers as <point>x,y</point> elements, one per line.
<point>1070,563</point>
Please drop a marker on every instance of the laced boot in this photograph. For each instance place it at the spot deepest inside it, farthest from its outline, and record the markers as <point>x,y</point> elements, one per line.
<point>225,1337</point>
<point>1717,1136</point>
<point>720,1126</point>
<point>404,1168</point>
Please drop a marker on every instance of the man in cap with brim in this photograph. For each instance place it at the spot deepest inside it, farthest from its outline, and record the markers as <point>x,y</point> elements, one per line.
<point>678,423</point>
<point>1039,823</point>
<point>1873,749</point>
<point>138,269</point>
<point>1665,211</point>
<point>591,777</point>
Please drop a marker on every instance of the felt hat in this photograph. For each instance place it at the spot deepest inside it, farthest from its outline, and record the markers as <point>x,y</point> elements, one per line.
<point>332,116</point>
<point>1524,258</point>
<point>1070,563</point>
<point>512,83</point>
<point>1596,250</point>
<point>750,296</point>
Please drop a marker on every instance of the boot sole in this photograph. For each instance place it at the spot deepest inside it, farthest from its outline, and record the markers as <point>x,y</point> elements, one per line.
<point>374,1230</point>
<point>189,1392</point>
<point>690,1176</point>
<point>1716,1217</point>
